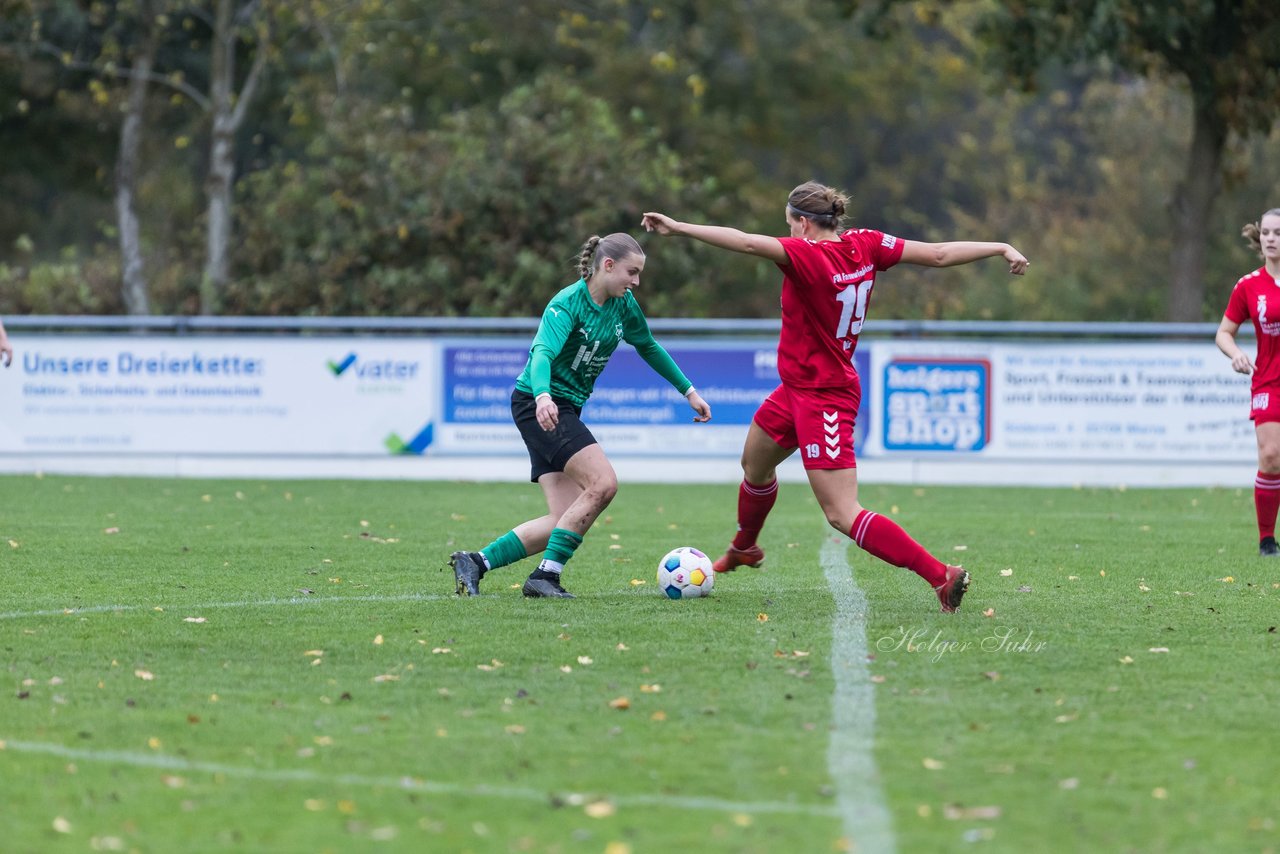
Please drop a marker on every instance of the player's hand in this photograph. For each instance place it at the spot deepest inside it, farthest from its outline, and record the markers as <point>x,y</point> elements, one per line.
<point>1018,262</point>
<point>701,407</point>
<point>548,413</point>
<point>1241,364</point>
<point>660,223</point>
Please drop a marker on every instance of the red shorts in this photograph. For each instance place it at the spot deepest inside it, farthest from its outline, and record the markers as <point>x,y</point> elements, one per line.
<point>818,421</point>
<point>1265,408</point>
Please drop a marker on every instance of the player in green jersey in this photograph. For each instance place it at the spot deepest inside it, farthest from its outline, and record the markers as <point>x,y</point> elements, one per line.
<point>580,329</point>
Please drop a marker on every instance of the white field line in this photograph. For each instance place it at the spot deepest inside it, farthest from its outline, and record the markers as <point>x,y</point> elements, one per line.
<point>851,754</point>
<point>209,606</point>
<point>408,783</point>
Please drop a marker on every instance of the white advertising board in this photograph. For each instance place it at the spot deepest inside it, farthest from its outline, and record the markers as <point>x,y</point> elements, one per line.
<point>1160,402</point>
<point>217,395</point>
<point>357,397</point>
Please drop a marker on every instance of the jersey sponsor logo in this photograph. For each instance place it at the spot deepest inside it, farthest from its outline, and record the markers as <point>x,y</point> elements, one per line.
<point>888,241</point>
<point>584,356</point>
<point>554,311</point>
<point>1262,400</point>
<point>617,329</point>
<point>841,278</point>
<point>1262,308</point>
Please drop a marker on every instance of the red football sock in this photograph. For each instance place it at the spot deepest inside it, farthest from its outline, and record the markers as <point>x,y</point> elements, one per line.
<point>754,504</point>
<point>1266,500</point>
<point>887,541</point>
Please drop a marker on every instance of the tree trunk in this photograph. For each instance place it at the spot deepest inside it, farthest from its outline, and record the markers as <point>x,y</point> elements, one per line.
<point>219,186</point>
<point>1192,203</point>
<point>226,119</point>
<point>133,277</point>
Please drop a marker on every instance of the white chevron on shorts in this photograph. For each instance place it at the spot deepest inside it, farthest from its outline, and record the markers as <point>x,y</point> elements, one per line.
<point>832,428</point>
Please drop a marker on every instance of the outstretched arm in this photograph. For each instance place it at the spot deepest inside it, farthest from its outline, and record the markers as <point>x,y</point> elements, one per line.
<point>6,349</point>
<point>1226,341</point>
<point>760,245</point>
<point>961,252</point>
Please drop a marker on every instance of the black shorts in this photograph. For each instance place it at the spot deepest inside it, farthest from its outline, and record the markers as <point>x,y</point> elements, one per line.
<point>549,450</point>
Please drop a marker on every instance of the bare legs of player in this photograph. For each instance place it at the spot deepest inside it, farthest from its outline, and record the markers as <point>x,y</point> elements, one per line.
<point>1266,487</point>
<point>575,497</point>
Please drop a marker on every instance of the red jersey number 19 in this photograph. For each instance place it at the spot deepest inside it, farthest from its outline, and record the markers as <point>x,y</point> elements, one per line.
<point>854,309</point>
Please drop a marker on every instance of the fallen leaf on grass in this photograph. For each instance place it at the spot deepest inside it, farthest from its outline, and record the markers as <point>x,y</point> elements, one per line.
<point>650,689</point>
<point>1158,649</point>
<point>1127,660</point>
<point>386,677</point>
<point>599,809</point>
<point>377,640</point>
<point>1228,580</point>
<point>193,619</point>
<point>620,703</point>
<point>990,612</point>
<point>637,582</point>
<point>764,618</point>
<point>61,825</point>
<point>564,668</point>
<point>1069,783</point>
<point>933,764</point>
<point>585,659</point>
<point>144,675</point>
<point>441,650</point>
<point>111,530</point>
<point>1006,572</point>
<point>955,812</point>
<point>515,729</point>
<point>493,664</point>
<point>622,647</point>
<point>993,675</point>
<point>314,652</point>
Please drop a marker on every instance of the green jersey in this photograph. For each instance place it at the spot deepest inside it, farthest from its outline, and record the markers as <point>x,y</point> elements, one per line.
<point>576,338</point>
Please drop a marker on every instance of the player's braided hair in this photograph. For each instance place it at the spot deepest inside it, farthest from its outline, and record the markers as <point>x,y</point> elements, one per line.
<point>615,246</point>
<point>817,202</point>
<point>1252,231</point>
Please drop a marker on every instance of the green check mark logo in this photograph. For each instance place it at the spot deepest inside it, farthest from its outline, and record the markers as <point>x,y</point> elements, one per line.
<point>339,367</point>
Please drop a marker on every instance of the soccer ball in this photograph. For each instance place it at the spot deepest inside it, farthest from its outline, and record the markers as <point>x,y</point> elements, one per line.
<point>685,573</point>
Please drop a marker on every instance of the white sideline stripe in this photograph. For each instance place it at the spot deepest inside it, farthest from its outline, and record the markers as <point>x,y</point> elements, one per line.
<point>851,754</point>
<point>247,603</point>
<point>406,782</point>
<point>206,606</point>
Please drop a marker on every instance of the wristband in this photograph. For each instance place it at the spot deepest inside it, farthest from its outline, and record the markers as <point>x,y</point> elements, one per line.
<point>539,397</point>
<point>690,391</point>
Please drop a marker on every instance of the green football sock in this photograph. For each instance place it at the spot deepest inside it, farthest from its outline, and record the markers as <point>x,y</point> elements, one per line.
<point>560,547</point>
<point>504,551</point>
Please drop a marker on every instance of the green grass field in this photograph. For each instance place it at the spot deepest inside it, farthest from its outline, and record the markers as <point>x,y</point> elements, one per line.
<point>240,665</point>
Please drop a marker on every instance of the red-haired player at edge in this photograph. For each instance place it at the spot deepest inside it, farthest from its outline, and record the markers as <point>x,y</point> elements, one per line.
<point>827,277</point>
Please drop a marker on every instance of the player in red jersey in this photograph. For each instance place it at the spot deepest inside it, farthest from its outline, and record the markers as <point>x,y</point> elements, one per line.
<point>827,277</point>
<point>1249,300</point>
